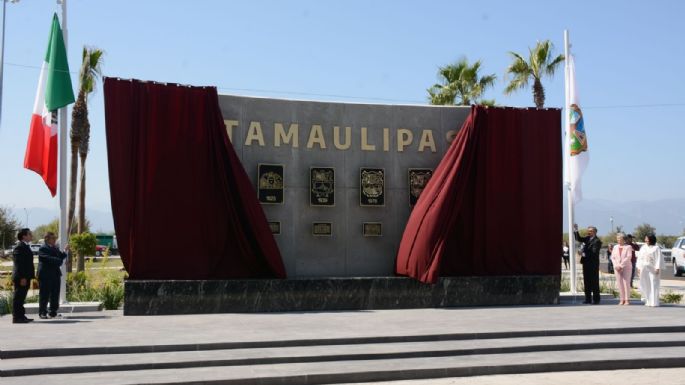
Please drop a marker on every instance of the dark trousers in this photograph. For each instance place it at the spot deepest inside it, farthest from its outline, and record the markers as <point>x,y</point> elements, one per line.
<point>49,291</point>
<point>632,275</point>
<point>20,292</point>
<point>591,282</point>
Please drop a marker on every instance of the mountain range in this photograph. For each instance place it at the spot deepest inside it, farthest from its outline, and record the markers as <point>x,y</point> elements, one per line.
<point>667,215</point>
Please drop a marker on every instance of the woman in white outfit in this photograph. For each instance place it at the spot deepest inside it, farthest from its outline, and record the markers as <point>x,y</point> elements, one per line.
<point>650,263</point>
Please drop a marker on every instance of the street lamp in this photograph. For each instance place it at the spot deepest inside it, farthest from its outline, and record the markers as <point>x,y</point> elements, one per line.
<point>2,48</point>
<point>611,219</point>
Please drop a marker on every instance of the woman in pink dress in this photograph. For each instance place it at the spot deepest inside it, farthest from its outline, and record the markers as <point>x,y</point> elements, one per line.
<point>621,256</point>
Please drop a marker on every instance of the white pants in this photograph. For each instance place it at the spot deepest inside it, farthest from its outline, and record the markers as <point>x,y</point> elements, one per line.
<point>649,285</point>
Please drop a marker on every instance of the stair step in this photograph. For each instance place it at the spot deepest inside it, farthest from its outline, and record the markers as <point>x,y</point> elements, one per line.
<point>330,353</point>
<point>383,369</point>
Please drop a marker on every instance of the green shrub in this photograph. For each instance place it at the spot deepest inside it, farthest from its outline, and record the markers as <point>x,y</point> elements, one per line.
<point>671,297</point>
<point>112,294</point>
<point>6,302</point>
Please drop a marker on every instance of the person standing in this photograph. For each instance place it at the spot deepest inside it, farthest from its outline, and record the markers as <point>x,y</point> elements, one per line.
<point>650,263</point>
<point>566,255</point>
<point>590,261</point>
<point>636,248</point>
<point>22,274</point>
<point>50,258</point>
<point>622,256</point>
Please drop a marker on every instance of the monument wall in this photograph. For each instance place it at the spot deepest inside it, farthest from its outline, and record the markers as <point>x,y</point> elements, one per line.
<point>337,180</point>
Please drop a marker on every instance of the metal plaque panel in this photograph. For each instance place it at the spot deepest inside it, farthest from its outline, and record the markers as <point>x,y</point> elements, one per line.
<point>418,179</point>
<point>372,229</point>
<point>322,186</point>
<point>322,229</point>
<point>270,183</point>
<point>371,186</point>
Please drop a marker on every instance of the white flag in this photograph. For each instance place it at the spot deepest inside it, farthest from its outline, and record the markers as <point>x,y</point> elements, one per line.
<point>578,145</point>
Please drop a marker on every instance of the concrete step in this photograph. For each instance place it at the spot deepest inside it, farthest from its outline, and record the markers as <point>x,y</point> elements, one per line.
<point>331,353</point>
<point>133,349</point>
<point>68,308</point>
<point>381,369</point>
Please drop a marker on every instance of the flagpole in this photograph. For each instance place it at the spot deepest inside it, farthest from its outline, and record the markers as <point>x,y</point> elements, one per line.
<point>567,156</point>
<point>63,232</point>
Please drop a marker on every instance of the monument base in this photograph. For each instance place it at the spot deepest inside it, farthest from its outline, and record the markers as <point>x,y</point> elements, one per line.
<point>160,297</point>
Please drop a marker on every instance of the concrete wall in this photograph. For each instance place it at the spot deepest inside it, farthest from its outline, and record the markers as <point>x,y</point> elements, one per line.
<point>346,253</point>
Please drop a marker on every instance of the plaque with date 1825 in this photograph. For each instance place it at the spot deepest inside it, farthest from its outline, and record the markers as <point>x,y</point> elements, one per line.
<point>270,183</point>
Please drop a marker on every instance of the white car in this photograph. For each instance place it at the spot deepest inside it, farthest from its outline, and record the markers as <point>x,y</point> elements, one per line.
<point>678,257</point>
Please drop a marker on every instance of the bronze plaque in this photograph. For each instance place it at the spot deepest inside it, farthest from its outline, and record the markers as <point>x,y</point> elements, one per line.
<point>270,183</point>
<point>418,179</point>
<point>322,228</point>
<point>372,187</point>
<point>322,186</point>
<point>275,227</point>
<point>372,229</point>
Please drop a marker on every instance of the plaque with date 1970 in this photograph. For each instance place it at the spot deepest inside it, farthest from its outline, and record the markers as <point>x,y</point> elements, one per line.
<point>371,186</point>
<point>418,179</point>
<point>322,186</point>
<point>270,183</point>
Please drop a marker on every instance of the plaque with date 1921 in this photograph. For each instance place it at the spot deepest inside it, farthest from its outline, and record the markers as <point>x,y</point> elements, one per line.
<point>418,179</point>
<point>322,186</point>
<point>270,183</point>
<point>371,186</point>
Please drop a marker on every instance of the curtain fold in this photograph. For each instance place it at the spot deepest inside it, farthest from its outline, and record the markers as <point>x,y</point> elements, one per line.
<point>183,206</point>
<point>494,203</point>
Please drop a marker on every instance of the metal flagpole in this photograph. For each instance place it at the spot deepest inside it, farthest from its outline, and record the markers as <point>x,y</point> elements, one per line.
<point>567,156</point>
<point>2,51</point>
<point>63,232</point>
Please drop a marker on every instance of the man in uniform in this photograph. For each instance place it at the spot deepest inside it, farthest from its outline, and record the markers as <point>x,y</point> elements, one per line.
<point>590,261</point>
<point>50,259</point>
<point>22,274</point>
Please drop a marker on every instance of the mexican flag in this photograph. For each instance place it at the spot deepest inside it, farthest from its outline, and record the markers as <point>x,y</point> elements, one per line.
<point>54,92</point>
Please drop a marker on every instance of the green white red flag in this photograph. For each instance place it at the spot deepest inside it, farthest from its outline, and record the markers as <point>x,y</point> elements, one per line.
<point>54,92</point>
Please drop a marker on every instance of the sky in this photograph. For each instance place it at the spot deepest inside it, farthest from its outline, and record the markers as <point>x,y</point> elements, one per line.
<point>629,59</point>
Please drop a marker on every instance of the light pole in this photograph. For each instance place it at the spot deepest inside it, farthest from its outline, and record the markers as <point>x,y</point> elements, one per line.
<point>611,219</point>
<point>2,48</point>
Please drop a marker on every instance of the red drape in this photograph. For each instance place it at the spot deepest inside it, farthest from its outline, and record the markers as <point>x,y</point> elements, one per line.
<point>183,205</point>
<point>494,203</point>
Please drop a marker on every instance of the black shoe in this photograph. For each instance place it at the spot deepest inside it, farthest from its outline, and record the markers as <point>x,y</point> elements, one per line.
<point>43,316</point>
<point>586,302</point>
<point>28,319</point>
<point>21,321</point>
<point>596,303</point>
<point>55,315</point>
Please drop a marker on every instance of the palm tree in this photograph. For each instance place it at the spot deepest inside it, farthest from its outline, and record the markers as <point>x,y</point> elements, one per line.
<point>539,64</point>
<point>461,84</point>
<point>90,71</point>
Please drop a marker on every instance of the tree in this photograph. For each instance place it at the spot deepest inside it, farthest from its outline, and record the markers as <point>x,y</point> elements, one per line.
<point>83,245</point>
<point>460,84</point>
<point>9,225</point>
<point>642,231</point>
<point>53,227</point>
<point>90,71</point>
<point>666,240</point>
<point>539,64</point>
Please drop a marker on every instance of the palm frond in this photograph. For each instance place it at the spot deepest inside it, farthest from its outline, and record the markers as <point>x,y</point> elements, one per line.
<point>552,67</point>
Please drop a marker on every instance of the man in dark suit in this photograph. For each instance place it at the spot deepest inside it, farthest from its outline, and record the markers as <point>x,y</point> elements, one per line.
<point>50,258</point>
<point>590,261</point>
<point>22,274</point>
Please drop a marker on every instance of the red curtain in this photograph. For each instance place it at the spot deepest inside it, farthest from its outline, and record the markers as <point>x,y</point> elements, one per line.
<point>494,203</point>
<point>183,205</point>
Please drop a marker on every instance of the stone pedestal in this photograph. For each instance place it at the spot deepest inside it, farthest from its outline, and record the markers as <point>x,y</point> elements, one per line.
<point>143,297</point>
